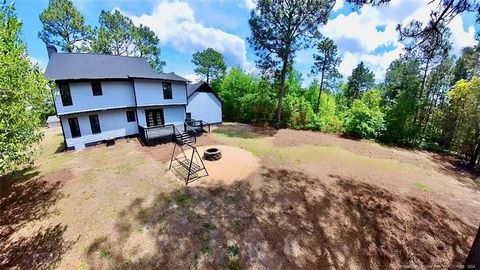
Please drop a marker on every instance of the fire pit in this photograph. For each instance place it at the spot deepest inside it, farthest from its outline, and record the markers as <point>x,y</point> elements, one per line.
<point>212,154</point>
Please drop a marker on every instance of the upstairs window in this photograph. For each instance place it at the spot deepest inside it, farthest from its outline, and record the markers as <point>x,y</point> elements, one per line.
<point>97,89</point>
<point>130,116</point>
<point>94,124</point>
<point>167,90</point>
<point>65,94</point>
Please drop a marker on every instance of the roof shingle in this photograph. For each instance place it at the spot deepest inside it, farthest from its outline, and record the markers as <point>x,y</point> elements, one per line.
<point>77,66</point>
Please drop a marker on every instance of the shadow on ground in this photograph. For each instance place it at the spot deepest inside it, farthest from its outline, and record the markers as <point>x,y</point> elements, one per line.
<point>23,199</point>
<point>289,221</point>
<point>458,169</point>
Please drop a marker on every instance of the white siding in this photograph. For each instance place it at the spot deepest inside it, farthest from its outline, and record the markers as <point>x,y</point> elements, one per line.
<point>116,94</point>
<point>172,114</point>
<point>205,106</point>
<point>113,124</point>
<point>150,93</point>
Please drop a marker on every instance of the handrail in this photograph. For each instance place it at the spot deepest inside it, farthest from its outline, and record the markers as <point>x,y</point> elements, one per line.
<point>187,126</point>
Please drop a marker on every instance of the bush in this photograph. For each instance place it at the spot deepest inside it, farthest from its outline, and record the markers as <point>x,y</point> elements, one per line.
<point>365,118</point>
<point>297,112</point>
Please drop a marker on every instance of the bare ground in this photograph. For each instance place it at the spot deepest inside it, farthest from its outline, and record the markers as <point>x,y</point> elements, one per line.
<point>313,201</point>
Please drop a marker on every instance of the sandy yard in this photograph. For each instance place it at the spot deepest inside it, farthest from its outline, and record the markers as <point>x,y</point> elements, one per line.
<point>276,200</point>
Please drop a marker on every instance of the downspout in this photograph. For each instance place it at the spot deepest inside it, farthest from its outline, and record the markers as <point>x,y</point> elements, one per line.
<point>135,98</point>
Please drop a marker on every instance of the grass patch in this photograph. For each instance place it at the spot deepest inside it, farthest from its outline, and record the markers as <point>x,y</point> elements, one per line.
<point>209,226</point>
<point>422,187</point>
<point>182,198</point>
<point>104,254</point>
<point>236,133</point>
<point>129,166</point>
<point>233,250</point>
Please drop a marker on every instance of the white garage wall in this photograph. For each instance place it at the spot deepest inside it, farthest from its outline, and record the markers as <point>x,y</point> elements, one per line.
<point>113,124</point>
<point>205,106</point>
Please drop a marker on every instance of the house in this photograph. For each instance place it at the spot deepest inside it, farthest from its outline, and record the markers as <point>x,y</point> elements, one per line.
<point>204,103</point>
<point>103,97</point>
<point>53,121</point>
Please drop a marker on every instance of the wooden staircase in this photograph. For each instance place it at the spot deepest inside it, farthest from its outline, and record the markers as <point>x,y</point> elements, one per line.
<point>185,167</point>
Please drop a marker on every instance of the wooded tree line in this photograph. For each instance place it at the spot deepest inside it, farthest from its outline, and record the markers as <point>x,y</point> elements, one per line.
<point>428,99</point>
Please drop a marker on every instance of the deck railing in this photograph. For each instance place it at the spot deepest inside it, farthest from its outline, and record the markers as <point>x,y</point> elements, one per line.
<point>156,134</point>
<point>198,125</point>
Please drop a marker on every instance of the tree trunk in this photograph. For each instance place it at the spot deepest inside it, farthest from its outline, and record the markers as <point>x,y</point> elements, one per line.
<point>317,110</point>
<point>281,92</point>
<point>417,111</point>
<point>476,152</point>
<point>208,77</point>
<point>473,258</point>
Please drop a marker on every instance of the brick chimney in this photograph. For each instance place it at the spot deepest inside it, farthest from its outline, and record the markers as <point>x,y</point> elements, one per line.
<point>50,50</point>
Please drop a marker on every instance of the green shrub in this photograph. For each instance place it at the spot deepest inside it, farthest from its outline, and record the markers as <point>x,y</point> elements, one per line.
<point>365,118</point>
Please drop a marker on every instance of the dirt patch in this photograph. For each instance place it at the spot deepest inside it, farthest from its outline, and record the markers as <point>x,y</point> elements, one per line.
<point>24,202</point>
<point>236,164</point>
<point>288,220</point>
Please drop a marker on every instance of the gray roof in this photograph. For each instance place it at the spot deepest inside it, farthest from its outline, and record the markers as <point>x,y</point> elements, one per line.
<point>191,88</point>
<point>78,66</point>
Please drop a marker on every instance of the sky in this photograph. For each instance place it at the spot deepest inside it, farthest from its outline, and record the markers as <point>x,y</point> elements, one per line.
<point>184,27</point>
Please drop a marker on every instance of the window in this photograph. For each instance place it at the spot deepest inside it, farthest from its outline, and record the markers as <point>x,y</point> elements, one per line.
<point>189,115</point>
<point>74,127</point>
<point>97,88</point>
<point>154,117</point>
<point>94,124</point>
<point>167,90</point>
<point>65,94</point>
<point>130,116</point>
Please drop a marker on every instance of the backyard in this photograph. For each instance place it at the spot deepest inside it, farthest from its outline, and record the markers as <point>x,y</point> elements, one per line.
<point>280,200</point>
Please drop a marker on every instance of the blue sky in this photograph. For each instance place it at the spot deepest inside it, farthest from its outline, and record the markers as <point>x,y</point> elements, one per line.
<point>188,26</point>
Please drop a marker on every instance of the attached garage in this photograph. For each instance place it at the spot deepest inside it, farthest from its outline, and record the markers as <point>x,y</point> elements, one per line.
<point>203,103</point>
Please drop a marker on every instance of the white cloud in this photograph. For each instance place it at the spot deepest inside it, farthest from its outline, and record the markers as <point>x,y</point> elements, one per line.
<point>370,34</point>
<point>41,64</point>
<point>249,4</point>
<point>192,77</point>
<point>175,25</point>
<point>338,5</point>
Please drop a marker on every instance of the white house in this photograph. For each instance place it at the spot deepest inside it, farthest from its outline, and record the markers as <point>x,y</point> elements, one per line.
<point>203,103</point>
<point>103,97</point>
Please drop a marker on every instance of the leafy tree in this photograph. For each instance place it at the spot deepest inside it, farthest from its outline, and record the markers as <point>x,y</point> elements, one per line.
<point>209,64</point>
<point>326,63</point>
<point>465,104</point>
<point>64,26</point>
<point>281,28</point>
<point>401,87</point>
<point>23,91</point>
<point>118,35</point>
<point>468,65</point>
<point>298,112</point>
<point>365,118</point>
<point>360,81</point>
<point>246,98</point>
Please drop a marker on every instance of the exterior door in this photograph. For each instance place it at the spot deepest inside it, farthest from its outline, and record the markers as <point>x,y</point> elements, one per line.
<point>154,117</point>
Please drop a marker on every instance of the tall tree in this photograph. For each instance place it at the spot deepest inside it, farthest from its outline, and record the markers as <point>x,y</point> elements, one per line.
<point>401,87</point>
<point>209,64</point>
<point>281,28</point>
<point>360,81</point>
<point>465,104</point>
<point>326,63</point>
<point>65,27</point>
<point>23,91</point>
<point>118,35</point>
<point>468,65</point>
